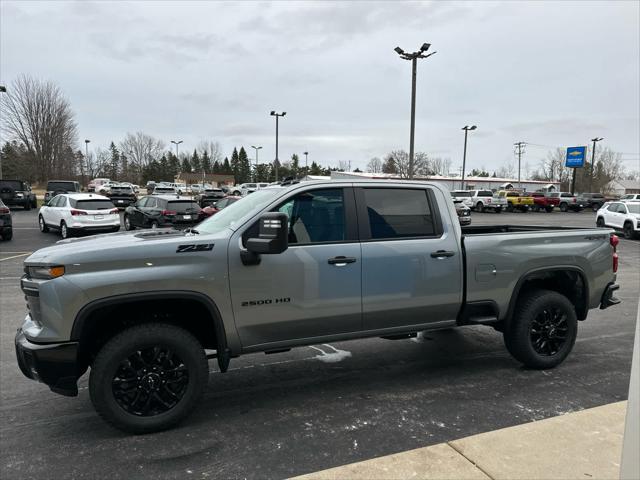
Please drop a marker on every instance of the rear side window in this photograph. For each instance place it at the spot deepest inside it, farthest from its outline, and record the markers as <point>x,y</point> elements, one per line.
<point>399,213</point>
<point>183,207</point>
<point>92,204</point>
<point>12,184</point>
<point>485,193</point>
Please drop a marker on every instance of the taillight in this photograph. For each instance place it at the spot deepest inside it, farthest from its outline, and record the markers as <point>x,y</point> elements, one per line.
<point>77,212</point>
<point>168,212</point>
<point>614,240</point>
<point>4,210</point>
<point>114,210</point>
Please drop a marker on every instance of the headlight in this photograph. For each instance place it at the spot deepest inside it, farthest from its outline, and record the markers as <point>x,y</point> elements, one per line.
<point>46,273</point>
<point>18,195</point>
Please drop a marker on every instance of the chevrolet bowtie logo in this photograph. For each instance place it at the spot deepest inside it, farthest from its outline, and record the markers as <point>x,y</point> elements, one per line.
<point>575,153</point>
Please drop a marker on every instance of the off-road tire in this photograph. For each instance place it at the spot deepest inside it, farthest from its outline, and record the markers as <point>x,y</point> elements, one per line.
<point>564,207</point>
<point>127,343</point>
<point>479,207</point>
<point>529,309</point>
<point>600,222</point>
<point>7,235</point>
<point>549,209</point>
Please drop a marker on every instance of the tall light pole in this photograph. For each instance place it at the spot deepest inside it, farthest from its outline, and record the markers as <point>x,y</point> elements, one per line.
<point>466,129</point>
<point>306,162</point>
<point>3,89</point>
<point>176,144</point>
<point>593,159</point>
<point>276,163</point>
<point>86,155</point>
<point>414,61</point>
<point>255,179</point>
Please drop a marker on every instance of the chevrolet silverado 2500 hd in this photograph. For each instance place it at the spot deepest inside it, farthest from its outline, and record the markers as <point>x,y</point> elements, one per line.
<point>308,263</point>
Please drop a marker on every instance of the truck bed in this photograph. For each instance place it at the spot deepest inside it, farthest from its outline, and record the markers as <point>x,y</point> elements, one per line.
<point>497,257</point>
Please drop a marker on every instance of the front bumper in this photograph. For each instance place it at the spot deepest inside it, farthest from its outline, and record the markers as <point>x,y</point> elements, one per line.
<point>608,299</point>
<point>55,365</point>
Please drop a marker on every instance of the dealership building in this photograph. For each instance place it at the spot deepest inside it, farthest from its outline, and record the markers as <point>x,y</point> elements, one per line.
<point>455,183</point>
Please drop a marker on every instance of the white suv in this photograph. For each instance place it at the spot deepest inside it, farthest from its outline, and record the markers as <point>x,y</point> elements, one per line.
<point>79,212</point>
<point>623,216</point>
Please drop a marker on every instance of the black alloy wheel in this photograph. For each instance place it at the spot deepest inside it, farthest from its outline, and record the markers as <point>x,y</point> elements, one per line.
<point>150,381</point>
<point>549,331</point>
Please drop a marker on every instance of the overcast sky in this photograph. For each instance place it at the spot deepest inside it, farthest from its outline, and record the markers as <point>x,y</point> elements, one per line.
<point>548,73</point>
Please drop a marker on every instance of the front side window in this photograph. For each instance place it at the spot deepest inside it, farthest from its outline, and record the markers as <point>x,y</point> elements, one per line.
<point>399,213</point>
<point>613,207</point>
<point>316,216</point>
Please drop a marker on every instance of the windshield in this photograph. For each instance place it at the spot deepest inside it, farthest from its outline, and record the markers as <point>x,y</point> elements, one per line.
<point>460,194</point>
<point>634,208</point>
<point>14,184</point>
<point>68,186</point>
<point>229,217</point>
<point>92,204</point>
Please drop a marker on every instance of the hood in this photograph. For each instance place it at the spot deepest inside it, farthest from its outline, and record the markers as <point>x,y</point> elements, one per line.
<point>118,247</point>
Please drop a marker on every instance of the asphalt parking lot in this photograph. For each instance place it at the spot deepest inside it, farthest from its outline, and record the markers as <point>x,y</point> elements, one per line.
<point>314,407</point>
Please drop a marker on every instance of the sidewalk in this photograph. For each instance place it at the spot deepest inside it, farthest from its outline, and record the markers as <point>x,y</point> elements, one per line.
<point>580,445</point>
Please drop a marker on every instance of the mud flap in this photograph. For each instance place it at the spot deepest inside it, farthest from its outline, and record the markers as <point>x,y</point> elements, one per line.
<point>224,358</point>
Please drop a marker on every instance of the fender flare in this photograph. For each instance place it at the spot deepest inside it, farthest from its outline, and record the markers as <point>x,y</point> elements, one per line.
<point>562,268</point>
<point>85,312</point>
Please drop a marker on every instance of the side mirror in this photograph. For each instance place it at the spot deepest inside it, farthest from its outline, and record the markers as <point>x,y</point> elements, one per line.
<point>272,236</point>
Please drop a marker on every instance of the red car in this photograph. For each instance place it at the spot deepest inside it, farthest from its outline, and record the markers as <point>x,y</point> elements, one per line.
<point>543,201</point>
<point>220,204</point>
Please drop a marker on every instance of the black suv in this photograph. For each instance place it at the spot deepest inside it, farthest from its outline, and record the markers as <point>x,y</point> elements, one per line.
<point>121,195</point>
<point>592,200</point>
<point>157,211</point>
<point>56,187</point>
<point>209,196</point>
<point>6,228</point>
<point>17,192</point>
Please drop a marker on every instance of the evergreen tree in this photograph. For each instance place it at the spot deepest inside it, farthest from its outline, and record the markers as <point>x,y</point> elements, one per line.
<point>295,165</point>
<point>316,169</point>
<point>205,162</point>
<point>195,162</point>
<point>163,169</point>
<point>389,165</point>
<point>244,167</point>
<point>185,167</point>
<point>114,162</point>
<point>226,167</point>
<point>217,168</point>
<point>174,165</point>
<point>235,165</point>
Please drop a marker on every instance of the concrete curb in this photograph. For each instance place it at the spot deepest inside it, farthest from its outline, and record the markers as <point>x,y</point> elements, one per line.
<point>579,445</point>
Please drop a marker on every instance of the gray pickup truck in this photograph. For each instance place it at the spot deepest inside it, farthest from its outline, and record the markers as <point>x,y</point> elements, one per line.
<point>295,265</point>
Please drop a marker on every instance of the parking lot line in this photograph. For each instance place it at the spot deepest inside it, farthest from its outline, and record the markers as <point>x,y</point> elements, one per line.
<point>15,256</point>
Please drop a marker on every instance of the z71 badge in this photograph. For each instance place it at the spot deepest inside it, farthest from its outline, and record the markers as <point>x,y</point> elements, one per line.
<point>200,247</point>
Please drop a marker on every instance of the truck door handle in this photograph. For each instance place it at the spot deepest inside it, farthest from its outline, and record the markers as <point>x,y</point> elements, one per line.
<point>442,254</point>
<point>341,261</point>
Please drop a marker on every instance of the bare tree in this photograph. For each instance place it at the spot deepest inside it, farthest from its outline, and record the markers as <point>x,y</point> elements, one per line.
<point>141,149</point>
<point>344,165</point>
<point>507,170</point>
<point>37,114</point>
<point>213,149</point>
<point>374,165</point>
<point>440,166</point>
<point>400,160</point>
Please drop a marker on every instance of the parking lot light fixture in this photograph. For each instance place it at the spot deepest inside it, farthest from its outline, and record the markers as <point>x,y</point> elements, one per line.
<point>306,162</point>
<point>466,129</point>
<point>593,159</point>
<point>255,179</point>
<point>422,53</point>
<point>276,162</point>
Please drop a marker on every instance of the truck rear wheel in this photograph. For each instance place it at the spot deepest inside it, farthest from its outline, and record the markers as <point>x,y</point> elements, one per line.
<point>148,378</point>
<point>543,329</point>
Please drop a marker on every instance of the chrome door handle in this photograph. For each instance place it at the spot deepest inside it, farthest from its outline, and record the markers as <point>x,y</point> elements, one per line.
<point>341,261</point>
<point>442,254</point>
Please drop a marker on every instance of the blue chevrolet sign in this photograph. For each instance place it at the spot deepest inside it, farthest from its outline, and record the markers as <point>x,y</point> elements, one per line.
<point>575,157</point>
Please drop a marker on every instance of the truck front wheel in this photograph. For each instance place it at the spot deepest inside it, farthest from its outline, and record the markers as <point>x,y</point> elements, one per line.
<point>543,330</point>
<point>148,378</point>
